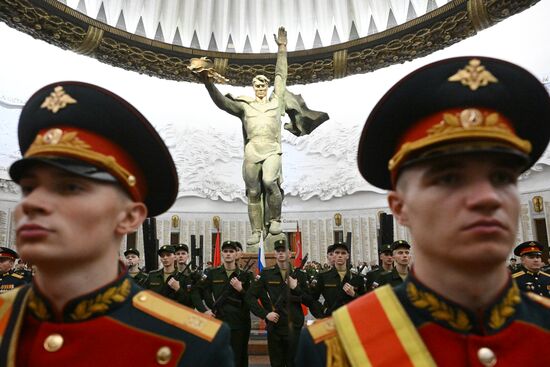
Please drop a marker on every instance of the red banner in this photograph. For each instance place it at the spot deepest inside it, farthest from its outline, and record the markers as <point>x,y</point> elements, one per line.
<point>217,252</point>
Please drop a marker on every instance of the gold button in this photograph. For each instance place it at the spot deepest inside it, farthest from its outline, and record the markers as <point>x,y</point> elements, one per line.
<point>164,354</point>
<point>487,357</point>
<point>142,298</point>
<point>131,180</point>
<point>53,343</point>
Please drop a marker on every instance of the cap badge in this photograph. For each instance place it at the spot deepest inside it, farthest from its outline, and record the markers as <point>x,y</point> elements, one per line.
<point>474,75</point>
<point>57,100</point>
<point>467,119</point>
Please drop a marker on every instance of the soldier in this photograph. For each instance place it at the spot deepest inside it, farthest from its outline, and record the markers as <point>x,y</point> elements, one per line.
<point>449,141</point>
<point>530,277</point>
<point>9,279</point>
<point>337,285</point>
<point>224,289</point>
<point>281,290</point>
<point>93,169</point>
<point>386,265</point>
<point>513,266</point>
<point>162,280</point>
<point>401,259</point>
<point>132,260</point>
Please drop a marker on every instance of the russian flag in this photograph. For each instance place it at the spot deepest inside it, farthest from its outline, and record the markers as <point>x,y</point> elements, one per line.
<point>261,253</point>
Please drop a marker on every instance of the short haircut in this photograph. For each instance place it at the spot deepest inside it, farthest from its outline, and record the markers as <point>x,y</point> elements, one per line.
<point>260,78</point>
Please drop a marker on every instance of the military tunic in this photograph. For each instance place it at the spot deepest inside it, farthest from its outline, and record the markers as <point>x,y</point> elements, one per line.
<point>413,325</point>
<point>11,280</point>
<point>117,325</point>
<point>233,309</point>
<point>330,285</point>
<point>372,278</point>
<point>155,282</point>
<point>528,281</point>
<point>276,296</point>
<point>140,278</point>
<point>390,277</point>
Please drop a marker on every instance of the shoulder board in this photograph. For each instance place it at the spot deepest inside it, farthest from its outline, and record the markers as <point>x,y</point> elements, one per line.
<point>177,315</point>
<point>323,329</point>
<point>518,274</point>
<point>269,268</point>
<point>539,299</point>
<point>325,271</point>
<point>6,303</point>
<point>16,275</point>
<point>545,274</point>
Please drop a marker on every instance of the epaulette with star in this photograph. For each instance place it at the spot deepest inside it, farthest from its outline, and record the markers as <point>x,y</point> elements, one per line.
<point>518,274</point>
<point>539,299</point>
<point>178,315</point>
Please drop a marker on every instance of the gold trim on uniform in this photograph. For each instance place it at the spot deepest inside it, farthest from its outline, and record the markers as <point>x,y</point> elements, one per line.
<point>539,299</point>
<point>322,329</point>
<point>439,309</point>
<point>53,342</point>
<point>37,306</point>
<point>164,355</point>
<point>468,123</point>
<point>57,100</point>
<point>56,141</point>
<point>474,75</point>
<point>505,309</point>
<point>101,303</point>
<point>177,315</point>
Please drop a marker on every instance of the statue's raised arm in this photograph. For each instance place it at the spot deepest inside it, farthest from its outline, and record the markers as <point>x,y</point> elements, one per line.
<point>281,68</point>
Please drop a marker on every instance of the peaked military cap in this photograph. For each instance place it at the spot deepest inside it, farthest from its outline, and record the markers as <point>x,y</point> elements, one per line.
<point>166,248</point>
<point>280,244</point>
<point>385,248</point>
<point>181,247</point>
<point>91,132</point>
<point>132,251</point>
<point>528,247</point>
<point>455,106</point>
<point>239,245</point>
<point>330,249</point>
<point>229,244</point>
<point>400,244</point>
<point>8,252</point>
<point>341,245</point>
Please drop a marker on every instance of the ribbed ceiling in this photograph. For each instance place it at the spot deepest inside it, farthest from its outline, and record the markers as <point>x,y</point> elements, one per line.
<point>247,26</point>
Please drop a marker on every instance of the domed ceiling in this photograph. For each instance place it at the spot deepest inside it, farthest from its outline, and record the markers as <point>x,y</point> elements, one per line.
<point>328,39</point>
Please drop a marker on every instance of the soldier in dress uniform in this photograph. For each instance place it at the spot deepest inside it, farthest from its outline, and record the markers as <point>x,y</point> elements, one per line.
<point>338,285</point>
<point>132,256</point>
<point>530,277</point>
<point>401,259</point>
<point>224,290</point>
<point>448,141</point>
<point>9,278</point>
<point>93,169</point>
<point>386,265</point>
<point>282,290</point>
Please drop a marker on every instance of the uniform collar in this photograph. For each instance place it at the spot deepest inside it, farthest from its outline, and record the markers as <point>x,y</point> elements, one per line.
<point>426,306</point>
<point>94,304</point>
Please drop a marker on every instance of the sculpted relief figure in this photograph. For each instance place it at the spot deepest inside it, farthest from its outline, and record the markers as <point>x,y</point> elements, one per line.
<point>261,121</point>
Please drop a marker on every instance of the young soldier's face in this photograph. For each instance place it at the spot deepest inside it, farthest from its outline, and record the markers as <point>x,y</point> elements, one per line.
<point>401,256</point>
<point>167,258</point>
<point>6,263</point>
<point>340,256</point>
<point>132,259</point>
<point>66,220</point>
<point>229,255</point>
<point>182,256</point>
<point>282,254</point>
<point>532,262</point>
<point>461,211</point>
<point>386,258</point>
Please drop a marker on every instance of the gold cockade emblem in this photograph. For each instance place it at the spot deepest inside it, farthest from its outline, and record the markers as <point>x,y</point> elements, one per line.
<point>474,75</point>
<point>57,100</point>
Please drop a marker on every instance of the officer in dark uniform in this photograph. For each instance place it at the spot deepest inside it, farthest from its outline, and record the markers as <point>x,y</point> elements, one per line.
<point>9,279</point>
<point>224,290</point>
<point>386,264</point>
<point>132,259</point>
<point>400,270</point>
<point>93,169</point>
<point>530,277</point>
<point>282,290</point>
<point>337,285</point>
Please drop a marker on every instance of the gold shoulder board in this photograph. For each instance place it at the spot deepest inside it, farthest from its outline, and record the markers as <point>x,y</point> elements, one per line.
<point>539,299</point>
<point>518,274</point>
<point>546,274</point>
<point>175,314</point>
<point>18,276</point>
<point>323,329</point>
